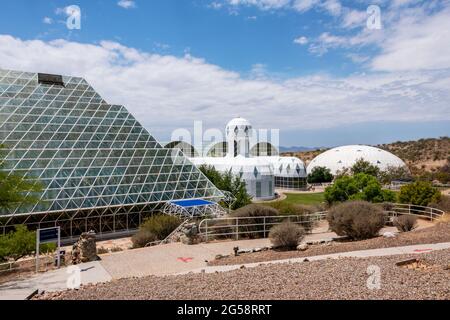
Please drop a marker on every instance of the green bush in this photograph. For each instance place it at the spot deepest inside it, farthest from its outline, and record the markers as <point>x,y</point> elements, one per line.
<point>405,223</point>
<point>361,186</point>
<point>420,193</point>
<point>320,175</point>
<point>357,220</point>
<point>228,182</point>
<point>286,235</point>
<point>363,166</point>
<point>20,243</point>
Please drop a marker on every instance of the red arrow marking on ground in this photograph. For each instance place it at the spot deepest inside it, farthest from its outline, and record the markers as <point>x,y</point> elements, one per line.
<point>185,260</point>
<point>422,250</point>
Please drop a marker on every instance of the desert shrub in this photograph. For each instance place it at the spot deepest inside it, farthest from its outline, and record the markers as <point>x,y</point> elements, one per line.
<point>442,204</point>
<point>161,225</point>
<point>251,213</point>
<point>142,238</point>
<point>420,193</point>
<point>286,235</point>
<point>102,250</point>
<point>357,220</point>
<point>116,249</point>
<point>155,228</point>
<point>302,211</point>
<point>405,223</point>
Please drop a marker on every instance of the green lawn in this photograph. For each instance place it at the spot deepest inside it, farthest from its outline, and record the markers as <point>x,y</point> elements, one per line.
<point>305,198</point>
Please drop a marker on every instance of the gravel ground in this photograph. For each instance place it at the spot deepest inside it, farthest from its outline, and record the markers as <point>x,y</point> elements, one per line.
<point>328,279</point>
<point>436,234</point>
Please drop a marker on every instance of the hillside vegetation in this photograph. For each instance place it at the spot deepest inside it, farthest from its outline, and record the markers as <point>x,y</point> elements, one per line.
<point>422,156</point>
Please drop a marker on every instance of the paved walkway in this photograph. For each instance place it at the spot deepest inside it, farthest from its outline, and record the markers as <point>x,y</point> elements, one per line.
<point>91,273</point>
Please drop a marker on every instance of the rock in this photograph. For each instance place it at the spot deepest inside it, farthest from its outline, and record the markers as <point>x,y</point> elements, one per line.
<point>85,250</point>
<point>257,250</point>
<point>389,235</point>
<point>242,251</point>
<point>302,247</point>
<point>221,256</point>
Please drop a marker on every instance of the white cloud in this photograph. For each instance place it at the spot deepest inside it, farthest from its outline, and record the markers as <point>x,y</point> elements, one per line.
<point>354,18</point>
<point>127,4</point>
<point>301,40</point>
<point>304,5</point>
<point>47,20</point>
<point>417,41</point>
<point>166,92</point>
<point>334,7</point>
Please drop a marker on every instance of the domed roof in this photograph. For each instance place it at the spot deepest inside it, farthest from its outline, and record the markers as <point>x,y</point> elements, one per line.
<point>239,122</point>
<point>340,158</point>
<point>287,166</point>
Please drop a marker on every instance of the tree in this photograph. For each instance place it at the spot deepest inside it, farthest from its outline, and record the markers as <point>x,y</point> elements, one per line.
<point>15,189</point>
<point>358,187</point>
<point>363,166</point>
<point>420,193</point>
<point>21,243</point>
<point>228,182</point>
<point>392,173</point>
<point>320,175</point>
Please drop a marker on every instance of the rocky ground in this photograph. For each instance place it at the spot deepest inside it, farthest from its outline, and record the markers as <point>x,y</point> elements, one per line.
<point>436,234</point>
<point>329,279</point>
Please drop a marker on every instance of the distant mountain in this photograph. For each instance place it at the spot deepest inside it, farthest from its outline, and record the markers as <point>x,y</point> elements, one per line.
<point>297,149</point>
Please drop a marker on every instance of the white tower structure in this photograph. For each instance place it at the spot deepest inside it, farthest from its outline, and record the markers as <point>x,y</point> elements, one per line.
<point>239,131</point>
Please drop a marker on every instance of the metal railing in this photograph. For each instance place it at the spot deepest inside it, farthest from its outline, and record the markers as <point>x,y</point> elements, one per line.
<point>238,227</point>
<point>432,214</point>
<point>235,227</point>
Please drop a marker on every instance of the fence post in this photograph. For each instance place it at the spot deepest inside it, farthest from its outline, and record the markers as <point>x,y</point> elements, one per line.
<point>264,227</point>
<point>237,229</point>
<point>206,231</point>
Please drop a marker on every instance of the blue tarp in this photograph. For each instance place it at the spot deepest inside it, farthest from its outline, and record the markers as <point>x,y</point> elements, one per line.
<point>192,203</point>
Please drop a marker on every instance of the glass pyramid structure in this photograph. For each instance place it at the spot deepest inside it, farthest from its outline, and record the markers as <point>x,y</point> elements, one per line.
<point>101,170</point>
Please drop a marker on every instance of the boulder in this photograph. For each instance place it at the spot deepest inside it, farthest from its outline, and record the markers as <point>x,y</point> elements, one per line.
<point>85,250</point>
<point>302,247</point>
<point>389,235</point>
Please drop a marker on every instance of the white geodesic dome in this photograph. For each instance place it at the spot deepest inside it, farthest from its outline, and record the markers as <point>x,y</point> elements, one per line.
<point>340,158</point>
<point>287,166</point>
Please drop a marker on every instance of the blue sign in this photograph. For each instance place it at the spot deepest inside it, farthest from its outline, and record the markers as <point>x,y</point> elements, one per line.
<point>48,235</point>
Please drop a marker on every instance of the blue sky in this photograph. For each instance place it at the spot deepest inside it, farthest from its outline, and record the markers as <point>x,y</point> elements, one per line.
<point>311,68</point>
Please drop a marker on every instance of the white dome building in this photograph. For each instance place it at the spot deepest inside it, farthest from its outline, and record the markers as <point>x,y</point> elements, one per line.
<point>289,172</point>
<point>341,158</point>
<point>258,165</point>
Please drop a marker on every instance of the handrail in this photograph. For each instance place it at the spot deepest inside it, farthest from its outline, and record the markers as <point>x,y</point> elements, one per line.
<point>209,227</point>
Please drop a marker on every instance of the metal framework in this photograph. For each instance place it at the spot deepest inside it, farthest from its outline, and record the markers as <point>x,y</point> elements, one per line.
<point>189,209</point>
<point>101,170</point>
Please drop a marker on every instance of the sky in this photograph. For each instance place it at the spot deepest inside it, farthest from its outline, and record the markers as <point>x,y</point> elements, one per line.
<point>324,72</point>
